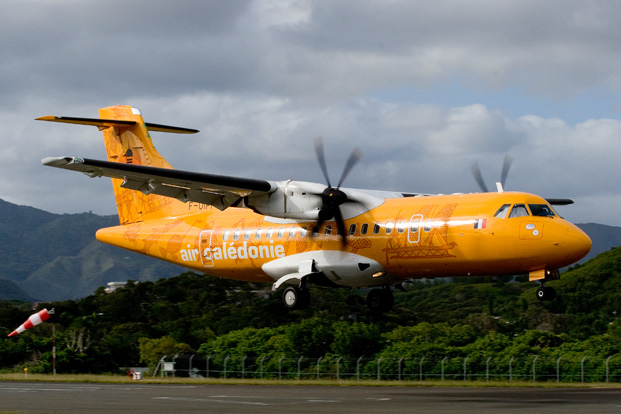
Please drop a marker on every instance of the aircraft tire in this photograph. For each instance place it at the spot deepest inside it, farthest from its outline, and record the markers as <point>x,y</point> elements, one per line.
<point>389,300</point>
<point>550,293</point>
<point>380,300</point>
<point>546,294</point>
<point>541,293</point>
<point>295,298</point>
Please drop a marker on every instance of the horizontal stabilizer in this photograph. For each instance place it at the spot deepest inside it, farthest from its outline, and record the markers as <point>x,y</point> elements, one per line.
<point>107,123</point>
<point>560,201</point>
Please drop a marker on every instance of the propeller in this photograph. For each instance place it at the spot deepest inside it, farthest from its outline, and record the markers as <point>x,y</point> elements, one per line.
<point>506,165</point>
<point>476,171</point>
<point>333,197</point>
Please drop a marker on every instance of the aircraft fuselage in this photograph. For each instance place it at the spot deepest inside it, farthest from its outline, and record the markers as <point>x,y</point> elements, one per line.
<point>413,237</point>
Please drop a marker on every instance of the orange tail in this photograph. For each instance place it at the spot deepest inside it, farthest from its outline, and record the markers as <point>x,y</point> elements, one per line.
<point>132,144</point>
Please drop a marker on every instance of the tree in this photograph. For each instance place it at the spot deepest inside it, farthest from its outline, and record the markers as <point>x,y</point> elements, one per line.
<point>357,339</point>
<point>152,350</point>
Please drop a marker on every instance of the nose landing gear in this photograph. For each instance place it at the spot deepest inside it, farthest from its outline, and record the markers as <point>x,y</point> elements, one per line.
<point>545,293</point>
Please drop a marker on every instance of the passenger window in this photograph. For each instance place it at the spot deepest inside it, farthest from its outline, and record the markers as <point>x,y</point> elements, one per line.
<point>364,229</point>
<point>414,226</point>
<point>269,233</point>
<point>258,234</point>
<point>303,232</point>
<point>389,227</point>
<point>292,232</point>
<point>236,234</point>
<point>376,228</point>
<point>328,230</point>
<point>400,227</point>
<point>281,232</point>
<point>541,210</point>
<point>352,229</point>
<point>427,226</point>
<point>225,235</point>
<point>519,210</point>
<point>502,211</point>
<point>247,234</point>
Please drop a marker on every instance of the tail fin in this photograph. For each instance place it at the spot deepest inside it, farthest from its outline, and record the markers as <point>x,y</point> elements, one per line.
<point>127,140</point>
<point>132,144</point>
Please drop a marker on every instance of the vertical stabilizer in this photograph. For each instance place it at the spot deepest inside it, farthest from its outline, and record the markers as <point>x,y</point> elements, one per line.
<point>131,143</point>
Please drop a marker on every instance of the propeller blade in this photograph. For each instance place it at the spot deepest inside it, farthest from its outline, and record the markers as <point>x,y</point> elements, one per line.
<point>476,171</point>
<point>322,159</point>
<point>505,169</point>
<point>332,198</point>
<point>340,225</point>
<point>325,213</point>
<point>317,226</point>
<point>355,156</point>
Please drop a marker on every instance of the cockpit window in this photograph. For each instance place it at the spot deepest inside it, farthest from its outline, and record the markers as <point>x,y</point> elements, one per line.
<point>541,210</point>
<point>503,211</point>
<point>519,210</point>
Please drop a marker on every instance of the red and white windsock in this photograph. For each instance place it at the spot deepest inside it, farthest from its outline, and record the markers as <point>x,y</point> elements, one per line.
<point>33,320</point>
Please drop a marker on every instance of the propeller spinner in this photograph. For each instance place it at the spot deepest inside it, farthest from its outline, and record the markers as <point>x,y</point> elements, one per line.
<point>333,197</point>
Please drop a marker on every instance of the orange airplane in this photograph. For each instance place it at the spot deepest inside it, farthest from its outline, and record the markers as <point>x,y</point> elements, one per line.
<point>301,233</point>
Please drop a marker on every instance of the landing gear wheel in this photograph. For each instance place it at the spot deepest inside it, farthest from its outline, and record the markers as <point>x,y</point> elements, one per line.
<point>380,300</point>
<point>545,293</point>
<point>296,298</point>
<point>541,293</point>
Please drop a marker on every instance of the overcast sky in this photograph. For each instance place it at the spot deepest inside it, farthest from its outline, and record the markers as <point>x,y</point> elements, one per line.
<point>424,89</point>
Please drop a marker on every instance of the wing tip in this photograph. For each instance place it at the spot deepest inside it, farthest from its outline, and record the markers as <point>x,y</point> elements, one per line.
<point>58,161</point>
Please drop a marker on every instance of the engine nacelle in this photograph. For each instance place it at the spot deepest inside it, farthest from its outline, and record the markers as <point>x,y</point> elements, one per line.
<point>292,200</point>
<point>301,200</point>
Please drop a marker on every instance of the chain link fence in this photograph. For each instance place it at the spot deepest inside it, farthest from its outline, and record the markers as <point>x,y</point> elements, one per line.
<point>534,368</point>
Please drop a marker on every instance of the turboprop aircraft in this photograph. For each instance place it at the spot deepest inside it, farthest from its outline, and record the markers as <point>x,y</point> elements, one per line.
<point>301,233</point>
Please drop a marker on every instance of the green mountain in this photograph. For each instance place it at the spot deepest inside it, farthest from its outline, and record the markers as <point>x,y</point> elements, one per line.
<point>603,237</point>
<point>10,291</point>
<point>56,256</point>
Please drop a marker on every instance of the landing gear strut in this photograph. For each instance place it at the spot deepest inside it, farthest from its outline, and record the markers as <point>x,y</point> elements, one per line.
<point>296,298</point>
<point>380,300</point>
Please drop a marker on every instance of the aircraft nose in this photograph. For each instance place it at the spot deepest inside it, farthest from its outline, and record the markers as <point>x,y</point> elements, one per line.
<point>576,243</point>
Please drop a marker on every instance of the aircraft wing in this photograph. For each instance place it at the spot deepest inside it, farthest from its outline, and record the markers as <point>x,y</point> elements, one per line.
<point>215,190</point>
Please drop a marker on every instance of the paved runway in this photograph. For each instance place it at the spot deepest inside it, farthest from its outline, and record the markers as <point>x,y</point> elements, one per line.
<point>38,397</point>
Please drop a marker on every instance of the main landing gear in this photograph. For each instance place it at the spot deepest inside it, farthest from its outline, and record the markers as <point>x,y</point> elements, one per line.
<point>380,300</point>
<point>296,298</point>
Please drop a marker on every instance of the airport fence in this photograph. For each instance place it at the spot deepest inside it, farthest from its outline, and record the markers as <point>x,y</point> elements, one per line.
<point>534,368</point>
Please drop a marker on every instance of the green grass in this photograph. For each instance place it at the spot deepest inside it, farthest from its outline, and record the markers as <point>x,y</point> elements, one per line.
<point>88,378</point>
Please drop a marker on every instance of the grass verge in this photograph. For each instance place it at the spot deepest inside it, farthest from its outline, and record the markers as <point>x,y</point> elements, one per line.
<point>120,379</point>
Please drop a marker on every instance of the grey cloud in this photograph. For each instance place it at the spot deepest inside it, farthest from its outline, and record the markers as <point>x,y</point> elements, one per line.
<point>262,79</point>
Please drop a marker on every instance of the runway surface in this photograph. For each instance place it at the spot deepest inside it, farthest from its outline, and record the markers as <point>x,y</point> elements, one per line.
<point>38,397</point>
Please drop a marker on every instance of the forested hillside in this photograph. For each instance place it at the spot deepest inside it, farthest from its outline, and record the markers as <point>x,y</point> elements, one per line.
<point>201,314</point>
<point>48,256</point>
